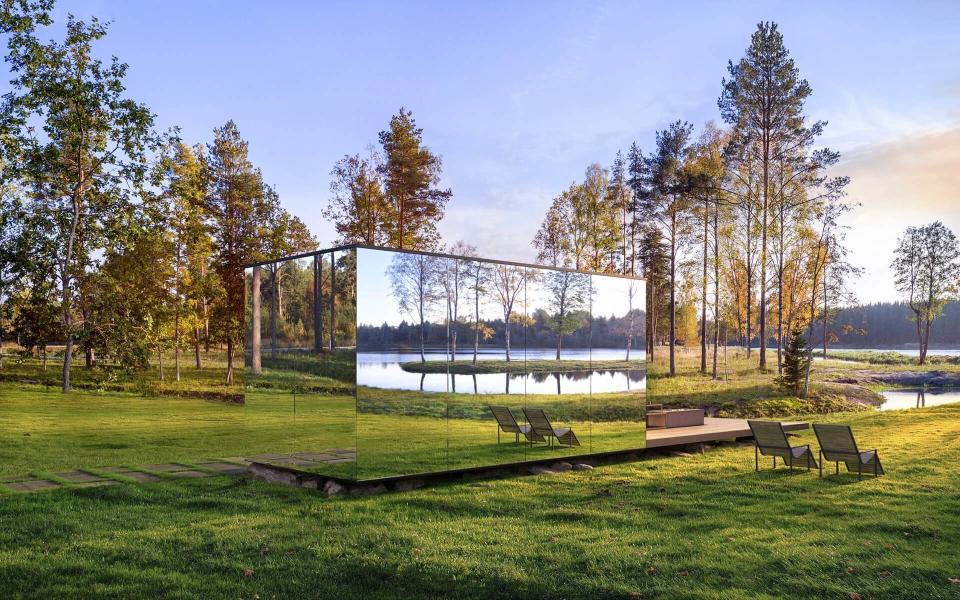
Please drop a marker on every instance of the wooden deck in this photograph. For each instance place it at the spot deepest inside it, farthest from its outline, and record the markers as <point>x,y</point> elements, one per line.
<point>712,430</point>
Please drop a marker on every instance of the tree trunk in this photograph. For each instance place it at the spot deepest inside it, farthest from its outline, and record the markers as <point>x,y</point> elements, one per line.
<point>196,347</point>
<point>333,305</point>
<point>716,286</point>
<point>176,345</point>
<point>422,276</point>
<point>763,251</point>
<point>780,254</point>
<point>476,317</point>
<point>703,289</point>
<point>506,334</point>
<point>673,293</point>
<point>273,311</point>
<point>230,361</point>
<point>318,303</point>
<point>160,361</point>
<point>749,299</point>
<point>826,315</point>
<point>256,366</point>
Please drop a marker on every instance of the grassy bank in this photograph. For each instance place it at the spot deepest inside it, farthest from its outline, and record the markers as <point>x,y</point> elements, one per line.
<point>705,527</point>
<point>209,381</point>
<point>742,390</point>
<point>889,358</point>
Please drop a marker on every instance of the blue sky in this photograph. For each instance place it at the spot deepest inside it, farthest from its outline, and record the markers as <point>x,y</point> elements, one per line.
<point>519,98</point>
<point>377,304</point>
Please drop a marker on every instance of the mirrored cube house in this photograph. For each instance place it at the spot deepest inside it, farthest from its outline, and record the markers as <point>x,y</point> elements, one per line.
<point>365,363</point>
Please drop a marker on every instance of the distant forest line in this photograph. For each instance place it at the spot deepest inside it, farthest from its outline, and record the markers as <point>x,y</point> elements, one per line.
<point>882,324</point>
<point>889,324</point>
<point>605,332</point>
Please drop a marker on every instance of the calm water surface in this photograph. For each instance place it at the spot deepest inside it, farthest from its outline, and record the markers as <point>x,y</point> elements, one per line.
<point>382,370</point>
<point>918,398</point>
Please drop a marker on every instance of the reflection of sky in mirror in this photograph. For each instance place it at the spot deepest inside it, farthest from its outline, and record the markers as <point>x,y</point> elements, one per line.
<point>611,295</point>
<point>377,305</point>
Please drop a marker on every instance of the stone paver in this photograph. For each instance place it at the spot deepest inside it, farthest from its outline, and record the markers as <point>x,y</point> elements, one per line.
<point>11,478</point>
<point>101,483</point>
<point>79,477</point>
<point>316,456</point>
<point>190,473</point>
<point>33,485</point>
<point>271,457</point>
<point>140,476</point>
<point>166,467</point>
<point>224,468</point>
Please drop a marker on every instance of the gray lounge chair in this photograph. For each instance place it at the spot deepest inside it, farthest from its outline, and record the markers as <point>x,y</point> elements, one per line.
<point>508,424</point>
<point>541,429</point>
<point>769,439</point>
<point>837,445</point>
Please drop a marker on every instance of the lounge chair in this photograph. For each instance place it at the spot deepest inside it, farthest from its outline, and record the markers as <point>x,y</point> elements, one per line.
<point>541,429</point>
<point>769,439</point>
<point>837,445</point>
<point>507,423</point>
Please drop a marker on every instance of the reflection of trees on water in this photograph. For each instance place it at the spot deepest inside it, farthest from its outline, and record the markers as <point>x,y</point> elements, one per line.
<point>632,376</point>
<point>921,398</point>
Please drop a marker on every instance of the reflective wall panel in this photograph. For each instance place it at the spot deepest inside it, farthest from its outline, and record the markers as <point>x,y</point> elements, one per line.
<point>301,402</point>
<point>389,363</point>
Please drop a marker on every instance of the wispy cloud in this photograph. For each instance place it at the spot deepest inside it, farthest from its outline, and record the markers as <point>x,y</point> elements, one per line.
<point>908,181</point>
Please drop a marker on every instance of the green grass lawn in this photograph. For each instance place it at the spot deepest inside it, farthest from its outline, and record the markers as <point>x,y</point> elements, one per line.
<point>664,527</point>
<point>46,430</point>
<point>704,526</point>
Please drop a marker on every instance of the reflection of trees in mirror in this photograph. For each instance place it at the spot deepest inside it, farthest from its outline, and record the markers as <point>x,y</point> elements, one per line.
<point>464,367</point>
<point>507,282</point>
<point>306,302</point>
<point>414,282</point>
<point>615,406</point>
<point>633,288</point>
<point>453,278</point>
<point>569,299</point>
<point>480,278</point>
<point>330,372</point>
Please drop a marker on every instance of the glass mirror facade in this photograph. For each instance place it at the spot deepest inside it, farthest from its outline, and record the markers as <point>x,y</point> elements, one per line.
<point>366,363</point>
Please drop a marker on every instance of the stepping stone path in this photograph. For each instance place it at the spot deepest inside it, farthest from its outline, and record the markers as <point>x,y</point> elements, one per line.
<point>223,468</point>
<point>234,465</point>
<point>139,476</point>
<point>32,485</point>
<point>309,459</point>
<point>166,468</point>
<point>79,477</point>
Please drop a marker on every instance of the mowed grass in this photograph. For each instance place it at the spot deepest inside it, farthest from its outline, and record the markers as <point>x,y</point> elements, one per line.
<point>45,430</point>
<point>702,527</point>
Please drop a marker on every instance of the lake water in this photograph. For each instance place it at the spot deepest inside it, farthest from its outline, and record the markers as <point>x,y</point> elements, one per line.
<point>918,398</point>
<point>382,370</point>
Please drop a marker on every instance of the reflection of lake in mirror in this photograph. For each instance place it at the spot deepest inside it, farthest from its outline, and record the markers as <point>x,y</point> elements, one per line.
<point>918,398</point>
<point>383,370</point>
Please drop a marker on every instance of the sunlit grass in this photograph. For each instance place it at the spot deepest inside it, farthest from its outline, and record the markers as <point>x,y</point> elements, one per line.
<point>664,527</point>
